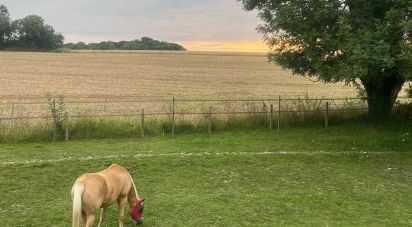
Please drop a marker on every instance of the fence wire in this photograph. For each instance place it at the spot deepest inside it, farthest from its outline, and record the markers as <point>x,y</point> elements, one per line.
<point>12,110</point>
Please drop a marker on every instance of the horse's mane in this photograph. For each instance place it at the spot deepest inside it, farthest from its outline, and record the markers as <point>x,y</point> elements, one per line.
<point>134,186</point>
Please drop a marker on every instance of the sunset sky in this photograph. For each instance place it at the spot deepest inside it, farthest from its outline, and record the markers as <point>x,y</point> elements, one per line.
<point>212,25</point>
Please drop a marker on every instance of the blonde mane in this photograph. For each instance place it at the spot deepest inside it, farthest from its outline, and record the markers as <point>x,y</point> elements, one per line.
<point>134,187</point>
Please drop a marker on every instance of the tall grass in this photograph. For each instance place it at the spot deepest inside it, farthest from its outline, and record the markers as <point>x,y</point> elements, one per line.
<point>298,113</point>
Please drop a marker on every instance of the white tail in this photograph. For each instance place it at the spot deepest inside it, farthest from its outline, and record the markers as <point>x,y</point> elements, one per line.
<point>77,193</point>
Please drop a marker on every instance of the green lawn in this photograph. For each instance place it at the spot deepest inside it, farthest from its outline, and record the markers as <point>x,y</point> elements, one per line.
<point>342,176</point>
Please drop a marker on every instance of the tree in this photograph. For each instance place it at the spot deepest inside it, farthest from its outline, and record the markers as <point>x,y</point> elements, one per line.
<point>5,26</point>
<point>352,41</point>
<point>34,34</point>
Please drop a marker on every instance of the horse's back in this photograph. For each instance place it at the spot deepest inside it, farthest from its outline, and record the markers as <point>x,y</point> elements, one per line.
<point>117,180</point>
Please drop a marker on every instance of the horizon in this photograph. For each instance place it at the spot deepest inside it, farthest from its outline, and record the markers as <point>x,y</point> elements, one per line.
<point>195,25</point>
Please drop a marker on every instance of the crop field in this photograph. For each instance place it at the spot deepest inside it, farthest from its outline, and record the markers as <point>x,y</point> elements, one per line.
<point>85,74</point>
<point>108,78</point>
<point>345,176</point>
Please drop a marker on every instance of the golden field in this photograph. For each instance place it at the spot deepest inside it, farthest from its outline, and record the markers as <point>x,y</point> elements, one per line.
<point>113,82</point>
<point>85,74</point>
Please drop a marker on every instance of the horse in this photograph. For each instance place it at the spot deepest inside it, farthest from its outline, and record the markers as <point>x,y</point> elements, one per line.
<point>92,191</point>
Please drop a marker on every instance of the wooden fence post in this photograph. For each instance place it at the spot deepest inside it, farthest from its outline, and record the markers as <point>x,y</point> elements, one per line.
<point>66,126</point>
<point>54,120</point>
<point>279,114</point>
<point>12,109</point>
<point>327,115</point>
<point>142,123</point>
<point>173,116</point>
<point>209,120</point>
<point>105,105</point>
<point>271,116</point>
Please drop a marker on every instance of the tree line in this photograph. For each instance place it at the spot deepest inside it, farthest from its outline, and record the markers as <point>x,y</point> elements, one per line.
<point>145,43</point>
<point>29,33</point>
<point>32,33</point>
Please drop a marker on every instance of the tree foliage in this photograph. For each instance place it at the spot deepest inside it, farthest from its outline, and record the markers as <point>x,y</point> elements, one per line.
<point>352,41</point>
<point>5,26</point>
<point>145,43</point>
<point>29,33</point>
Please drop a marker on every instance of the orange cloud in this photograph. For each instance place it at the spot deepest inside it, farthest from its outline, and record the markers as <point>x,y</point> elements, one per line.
<point>226,45</point>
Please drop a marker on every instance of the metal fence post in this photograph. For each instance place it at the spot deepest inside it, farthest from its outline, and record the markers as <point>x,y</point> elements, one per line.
<point>66,126</point>
<point>327,115</point>
<point>209,120</point>
<point>173,116</point>
<point>142,123</point>
<point>54,120</point>
<point>279,114</point>
<point>271,116</point>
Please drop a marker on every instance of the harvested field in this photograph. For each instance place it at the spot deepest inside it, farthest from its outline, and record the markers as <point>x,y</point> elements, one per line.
<point>91,74</point>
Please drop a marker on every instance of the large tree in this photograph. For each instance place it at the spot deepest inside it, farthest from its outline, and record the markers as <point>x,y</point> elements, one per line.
<point>34,34</point>
<point>352,41</point>
<point>5,26</point>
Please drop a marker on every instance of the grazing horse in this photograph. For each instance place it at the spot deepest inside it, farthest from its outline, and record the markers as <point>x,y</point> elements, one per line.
<point>99,190</point>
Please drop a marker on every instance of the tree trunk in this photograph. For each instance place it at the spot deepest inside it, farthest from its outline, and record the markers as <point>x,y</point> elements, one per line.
<point>382,93</point>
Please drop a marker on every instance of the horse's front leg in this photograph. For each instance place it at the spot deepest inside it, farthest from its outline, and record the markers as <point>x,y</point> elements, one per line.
<point>122,203</point>
<point>102,214</point>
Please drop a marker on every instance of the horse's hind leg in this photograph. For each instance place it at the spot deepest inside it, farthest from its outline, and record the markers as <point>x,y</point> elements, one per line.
<point>84,218</point>
<point>90,220</point>
<point>102,214</point>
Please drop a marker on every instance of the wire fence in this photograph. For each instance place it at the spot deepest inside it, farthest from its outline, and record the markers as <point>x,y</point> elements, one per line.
<point>272,108</point>
<point>19,110</point>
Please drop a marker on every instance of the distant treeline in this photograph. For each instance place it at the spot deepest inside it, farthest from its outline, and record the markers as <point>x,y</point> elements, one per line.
<point>145,43</point>
<point>29,33</point>
<point>32,33</point>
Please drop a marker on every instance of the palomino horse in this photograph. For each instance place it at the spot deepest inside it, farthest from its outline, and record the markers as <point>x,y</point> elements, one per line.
<point>99,190</point>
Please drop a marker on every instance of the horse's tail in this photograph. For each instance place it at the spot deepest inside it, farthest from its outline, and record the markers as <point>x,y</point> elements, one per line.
<point>77,193</point>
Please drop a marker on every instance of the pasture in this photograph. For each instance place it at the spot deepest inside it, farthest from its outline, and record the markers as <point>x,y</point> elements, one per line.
<point>352,175</point>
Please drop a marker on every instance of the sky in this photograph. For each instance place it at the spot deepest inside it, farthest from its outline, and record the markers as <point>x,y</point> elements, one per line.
<point>211,25</point>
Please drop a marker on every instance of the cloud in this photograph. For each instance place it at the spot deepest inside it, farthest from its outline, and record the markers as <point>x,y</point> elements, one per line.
<point>182,20</point>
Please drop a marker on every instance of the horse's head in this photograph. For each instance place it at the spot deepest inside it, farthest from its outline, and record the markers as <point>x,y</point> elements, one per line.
<point>137,212</point>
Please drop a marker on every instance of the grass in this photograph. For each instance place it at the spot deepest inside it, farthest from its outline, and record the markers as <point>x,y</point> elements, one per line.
<point>348,175</point>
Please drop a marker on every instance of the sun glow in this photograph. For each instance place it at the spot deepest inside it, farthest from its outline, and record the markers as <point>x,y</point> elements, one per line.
<point>226,46</point>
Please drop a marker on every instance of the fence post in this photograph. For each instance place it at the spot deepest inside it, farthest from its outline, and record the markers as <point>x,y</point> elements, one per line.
<point>12,109</point>
<point>105,105</point>
<point>54,120</point>
<point>271,116</point>
<point>142,123</point>
<point>66,126</point>
<point>327,115</point>
<point>209,120</point>
<point>173,116</point>
<point>279,114</point>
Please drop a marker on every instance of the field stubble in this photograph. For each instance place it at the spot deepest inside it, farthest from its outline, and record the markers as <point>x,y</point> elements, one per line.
<point>152,74</point>
<point>103,79</point>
